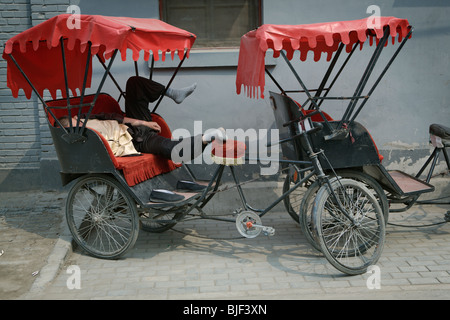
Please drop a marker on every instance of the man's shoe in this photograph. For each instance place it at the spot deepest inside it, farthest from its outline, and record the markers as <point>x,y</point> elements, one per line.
<point>189,186</point>
<point>161,195</point>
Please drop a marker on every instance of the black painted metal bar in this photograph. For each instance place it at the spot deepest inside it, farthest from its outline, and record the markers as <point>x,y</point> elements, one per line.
<point>152,66</point>
<point>136,69</point>
<point>102,82</point>
<point>122,93</point>
<point>83,90</point>
<point>307,92</point>
<point>170,82</point>
<point>66,82</point>
<point>365,77</point>
<point>382,75</point>
<point>276,82</point>
<point>340,71</point>
<point>329,70</point>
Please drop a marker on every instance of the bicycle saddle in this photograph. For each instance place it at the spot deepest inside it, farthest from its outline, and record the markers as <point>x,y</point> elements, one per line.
<point>441,132</point>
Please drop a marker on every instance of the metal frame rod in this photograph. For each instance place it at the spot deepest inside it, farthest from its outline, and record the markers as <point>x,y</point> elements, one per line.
<point>122,93</point>
<point>365,77</point>
<point>297,77</point>
<point>136,68</point>
<point>102,82</point>
<point>276,82</point>
<point>66,83</point>
<point>329,70</point>
<point>170,82</point>
<point>307,92</point>
<point>152,67</point>
<point>382,74</point>
<point>86,72</point>
<point>340,71</point>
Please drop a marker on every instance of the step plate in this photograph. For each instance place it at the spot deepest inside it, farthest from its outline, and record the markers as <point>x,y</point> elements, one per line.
<point>410,185</point>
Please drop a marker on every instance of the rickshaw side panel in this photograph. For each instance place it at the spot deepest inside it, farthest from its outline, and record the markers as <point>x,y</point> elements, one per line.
<point>87,156</point>
<point>92,153</point>
<point>356,150</point>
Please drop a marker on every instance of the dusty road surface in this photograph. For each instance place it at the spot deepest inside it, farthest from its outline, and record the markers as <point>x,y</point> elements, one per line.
<point>29,228</point>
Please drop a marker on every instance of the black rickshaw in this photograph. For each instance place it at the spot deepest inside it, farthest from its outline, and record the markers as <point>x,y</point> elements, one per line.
<point>346,147</point>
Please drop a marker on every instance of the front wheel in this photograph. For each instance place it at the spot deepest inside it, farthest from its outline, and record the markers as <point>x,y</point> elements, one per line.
<point>102,217</point>
<point>349,224</point>
<point>307,203</point>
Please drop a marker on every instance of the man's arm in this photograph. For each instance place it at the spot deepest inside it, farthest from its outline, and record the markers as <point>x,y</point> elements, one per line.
<point>121,119</point>
<point>136,122</point>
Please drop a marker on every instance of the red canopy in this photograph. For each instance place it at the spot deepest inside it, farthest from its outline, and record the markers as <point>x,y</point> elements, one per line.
<point>38,49</point>
<point>318,37</point>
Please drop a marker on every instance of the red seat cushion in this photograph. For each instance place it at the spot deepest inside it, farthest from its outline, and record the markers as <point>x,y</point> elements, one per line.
<point>137,169</point>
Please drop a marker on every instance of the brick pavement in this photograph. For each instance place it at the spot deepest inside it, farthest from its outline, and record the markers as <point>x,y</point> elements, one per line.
<point>185,263</point>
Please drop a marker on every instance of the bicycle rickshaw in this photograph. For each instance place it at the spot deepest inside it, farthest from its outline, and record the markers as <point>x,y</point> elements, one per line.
<point>108,201</point>
<point>345,147</point>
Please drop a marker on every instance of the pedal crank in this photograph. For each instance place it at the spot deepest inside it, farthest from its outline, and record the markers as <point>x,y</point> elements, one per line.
<point>249,225</point>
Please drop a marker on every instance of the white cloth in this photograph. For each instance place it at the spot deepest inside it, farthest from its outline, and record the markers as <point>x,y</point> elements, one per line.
<point>119,139</point>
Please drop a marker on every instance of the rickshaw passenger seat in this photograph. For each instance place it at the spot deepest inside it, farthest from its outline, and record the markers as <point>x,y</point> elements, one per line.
<point>318,118</point>
<point>442,132</point>
<point>440,140</point>
<point>135,169</point>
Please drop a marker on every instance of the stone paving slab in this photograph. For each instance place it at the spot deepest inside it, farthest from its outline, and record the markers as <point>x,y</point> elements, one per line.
<point>207,259</point>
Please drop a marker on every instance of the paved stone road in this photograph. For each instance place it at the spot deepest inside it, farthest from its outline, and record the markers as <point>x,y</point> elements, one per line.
<point>185,263</point>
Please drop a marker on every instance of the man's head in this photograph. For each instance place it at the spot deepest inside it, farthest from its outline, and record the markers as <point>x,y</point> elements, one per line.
<point>65,121</point>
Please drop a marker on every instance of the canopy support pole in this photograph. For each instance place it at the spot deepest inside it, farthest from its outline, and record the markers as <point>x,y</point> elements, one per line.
<point>340,71</point>
<point>66,81</point>
<point>275,81</point>
<point>122,93</point>
<point>136,69</point>
<point>86,72</point>
<point>365,77</point>
<point>152,67</point>
<point>170,82</point>
<point>102,82</point>
<point>310,97</point>
<point>382,74</point>
<point>328,73</point>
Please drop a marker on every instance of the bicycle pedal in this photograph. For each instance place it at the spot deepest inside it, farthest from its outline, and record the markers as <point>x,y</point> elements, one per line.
<point>249,225</point>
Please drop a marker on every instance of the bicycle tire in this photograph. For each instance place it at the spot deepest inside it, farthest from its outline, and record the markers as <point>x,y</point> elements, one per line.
<point>349,247</point>
<point>305,213</point>
<point>102,216</point>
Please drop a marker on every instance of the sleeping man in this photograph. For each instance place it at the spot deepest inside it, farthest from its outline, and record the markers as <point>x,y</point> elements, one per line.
<point>128,136</point>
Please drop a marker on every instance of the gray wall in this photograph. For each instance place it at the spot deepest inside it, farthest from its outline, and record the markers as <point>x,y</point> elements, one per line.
<point>412,95</point>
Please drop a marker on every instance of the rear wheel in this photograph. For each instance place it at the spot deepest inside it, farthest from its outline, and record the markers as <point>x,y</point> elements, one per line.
<point>351,242</point>
<point>102,217</point>
<point>306,206</point>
